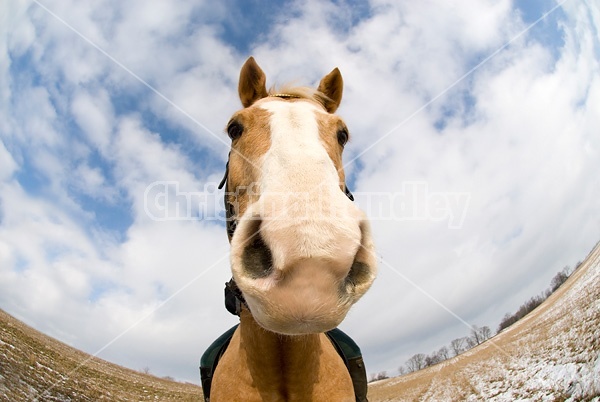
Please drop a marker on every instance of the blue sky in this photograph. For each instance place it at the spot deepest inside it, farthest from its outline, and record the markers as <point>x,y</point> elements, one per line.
<point>461,100</point>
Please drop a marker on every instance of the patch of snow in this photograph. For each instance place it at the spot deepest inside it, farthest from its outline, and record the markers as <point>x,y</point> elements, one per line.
<point>7,344</point>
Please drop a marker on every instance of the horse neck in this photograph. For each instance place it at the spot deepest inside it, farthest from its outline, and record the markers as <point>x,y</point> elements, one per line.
<point>276,360</point>
<point>260,365</point>
<point>267,348</point>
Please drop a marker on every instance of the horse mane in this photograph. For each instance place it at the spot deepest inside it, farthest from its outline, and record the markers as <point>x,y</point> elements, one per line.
<point>302,93</point>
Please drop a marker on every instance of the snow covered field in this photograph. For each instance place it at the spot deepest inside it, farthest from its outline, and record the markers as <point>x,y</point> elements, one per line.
<point>553,354</point>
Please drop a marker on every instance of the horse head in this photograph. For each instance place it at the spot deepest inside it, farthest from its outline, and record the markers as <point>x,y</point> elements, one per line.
<point>301,251</point>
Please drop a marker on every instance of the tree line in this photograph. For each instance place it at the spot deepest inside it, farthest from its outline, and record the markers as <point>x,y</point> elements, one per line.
<point>419,361</point>
<point>531,304</point>
<point>477,334</point>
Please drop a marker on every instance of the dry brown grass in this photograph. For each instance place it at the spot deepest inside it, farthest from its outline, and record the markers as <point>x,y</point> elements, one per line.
<point>34,366</point>
<point>562,330</point>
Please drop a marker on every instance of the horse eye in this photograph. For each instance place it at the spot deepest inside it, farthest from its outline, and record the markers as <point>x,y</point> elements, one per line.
<point>342,136</point>
<point>235,130</point>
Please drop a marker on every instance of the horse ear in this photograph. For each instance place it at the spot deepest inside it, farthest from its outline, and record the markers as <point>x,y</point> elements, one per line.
<point>332,86</point>
<point>252,83</point>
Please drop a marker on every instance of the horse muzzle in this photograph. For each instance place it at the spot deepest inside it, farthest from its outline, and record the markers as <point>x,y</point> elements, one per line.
<point>301,274</point>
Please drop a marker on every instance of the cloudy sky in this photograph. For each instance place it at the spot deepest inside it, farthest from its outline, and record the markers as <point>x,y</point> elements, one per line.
<point>475,150</point>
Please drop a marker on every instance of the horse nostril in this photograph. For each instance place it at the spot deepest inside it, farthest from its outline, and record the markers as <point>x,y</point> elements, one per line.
<point>359,274</point>
<point>257,258</point>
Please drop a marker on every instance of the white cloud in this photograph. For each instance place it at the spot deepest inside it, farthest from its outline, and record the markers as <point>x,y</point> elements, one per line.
<point>94,113</point>
<point>7,163</point>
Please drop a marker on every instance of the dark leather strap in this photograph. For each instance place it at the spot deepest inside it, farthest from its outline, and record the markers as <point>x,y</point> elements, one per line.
<point>234,299</point>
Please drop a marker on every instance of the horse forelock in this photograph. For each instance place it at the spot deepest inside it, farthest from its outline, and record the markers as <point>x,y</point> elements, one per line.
<point>307,93</point>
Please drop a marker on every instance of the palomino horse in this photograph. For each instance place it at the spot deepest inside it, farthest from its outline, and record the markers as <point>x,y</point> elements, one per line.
<point>301,251</point>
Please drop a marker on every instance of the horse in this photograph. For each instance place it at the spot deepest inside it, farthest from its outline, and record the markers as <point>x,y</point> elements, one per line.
<point>301,251</point>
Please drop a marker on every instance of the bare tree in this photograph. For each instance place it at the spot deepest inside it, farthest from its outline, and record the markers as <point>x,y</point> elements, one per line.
<point>431,359</point>
<point>382,375</point>
<point>485,333</point>
<point>443,353</point>
<point>476,335</point>
<point>479,335</point>
<point>457,346</point>
<point>506,322</point>
<point>470,343</point>
<point>402,370</point>
<point>416,362</point>
<point>560,278</point>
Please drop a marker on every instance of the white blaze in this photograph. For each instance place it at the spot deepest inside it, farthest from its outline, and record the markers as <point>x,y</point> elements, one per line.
<point>305,213</point>
<point>297,159</point>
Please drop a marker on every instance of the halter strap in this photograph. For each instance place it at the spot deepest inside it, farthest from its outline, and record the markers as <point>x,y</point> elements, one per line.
<point>234,299</point>
<point>230,221</point>
<point>222,183</point>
